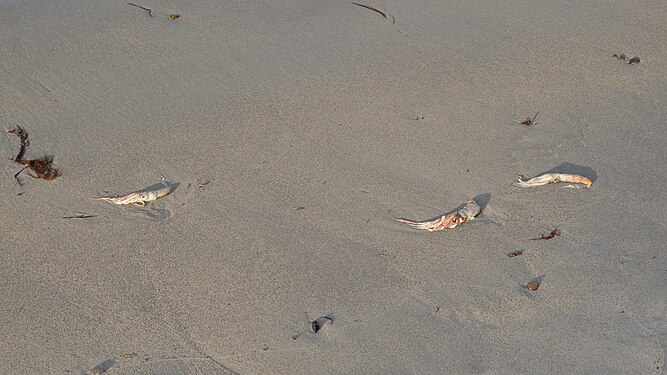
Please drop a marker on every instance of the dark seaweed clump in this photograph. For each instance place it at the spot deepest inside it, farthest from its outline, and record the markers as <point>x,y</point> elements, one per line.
<point>42,167</point>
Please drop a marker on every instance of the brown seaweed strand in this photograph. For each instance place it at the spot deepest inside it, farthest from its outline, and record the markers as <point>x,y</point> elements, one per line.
<point>25,142</point>
<point>42,167</point>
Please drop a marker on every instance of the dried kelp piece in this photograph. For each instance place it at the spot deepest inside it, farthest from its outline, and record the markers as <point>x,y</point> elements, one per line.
<point>451,220</point>
<point>534,284</point>
<point>515,254</point>
<point>42,168</point>
<point>139,198</point>
<point>318,323</point>
<point>551,178</point>
<point>548,236</point>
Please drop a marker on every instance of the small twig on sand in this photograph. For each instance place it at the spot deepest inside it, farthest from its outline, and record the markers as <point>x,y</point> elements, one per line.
<point>375,10</point>
<point>79,216</point>
<point>371,8</point>
<point>16,176</point>
<point>149,10</point>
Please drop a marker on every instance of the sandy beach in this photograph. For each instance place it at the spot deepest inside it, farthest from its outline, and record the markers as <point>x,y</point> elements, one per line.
<point>293,134</point>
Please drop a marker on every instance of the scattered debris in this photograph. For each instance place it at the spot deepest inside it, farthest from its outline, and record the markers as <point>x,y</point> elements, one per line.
<point>128,356</point>
<point>416,118</point>
<point>528,121</point>
<point>200,185</point>
<point>300,208</point>
<point>318,323</point>
<point>548,236</point>
<point>534,284</point>
<point>551,178</point>
<point>139,198</point>
<point>174,16</point>
<point>149,10</point>
<point>79,216</point>
<point>451,220</point>
<point>515,254</point>
<point>42,167</point>
<point>383,14</point>
<point>634,60</point>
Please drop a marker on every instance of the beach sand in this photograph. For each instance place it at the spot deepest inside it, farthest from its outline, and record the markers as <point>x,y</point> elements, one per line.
<point>294,133</point>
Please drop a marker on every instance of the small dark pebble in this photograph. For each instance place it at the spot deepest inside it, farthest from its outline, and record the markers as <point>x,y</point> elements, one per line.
<point>634,60</point>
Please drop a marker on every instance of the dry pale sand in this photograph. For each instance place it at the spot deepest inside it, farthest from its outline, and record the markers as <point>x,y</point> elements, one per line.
<point>286,104</point>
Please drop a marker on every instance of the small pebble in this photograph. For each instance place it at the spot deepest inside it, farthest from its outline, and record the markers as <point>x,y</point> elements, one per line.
<point>532,285</point>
